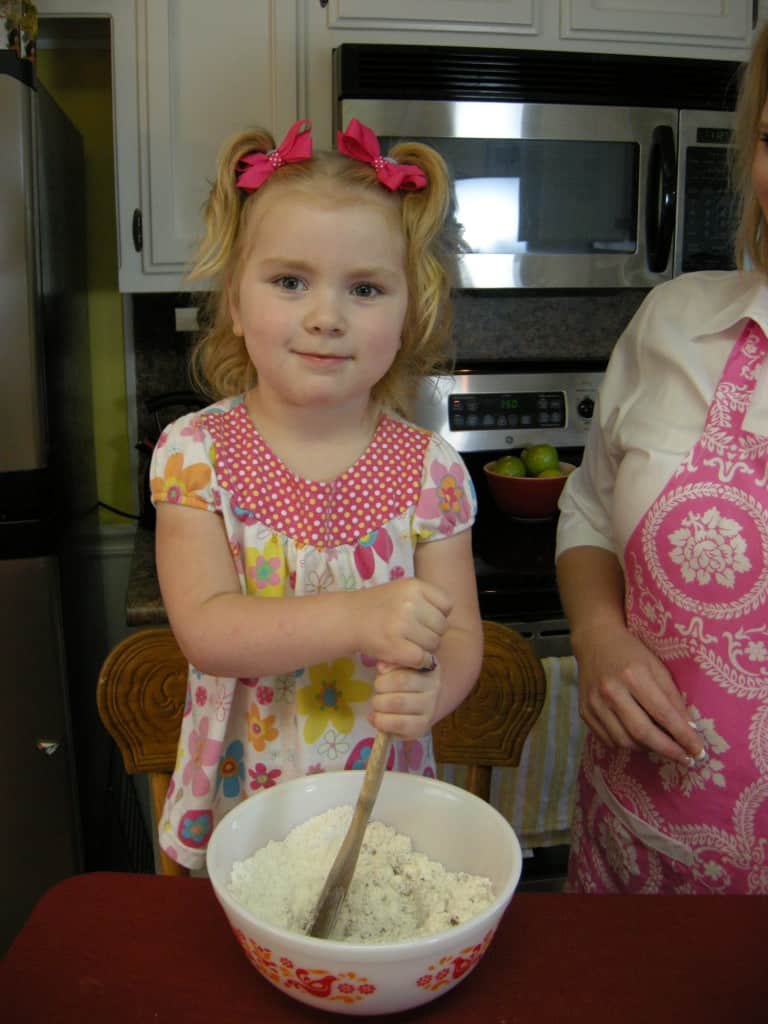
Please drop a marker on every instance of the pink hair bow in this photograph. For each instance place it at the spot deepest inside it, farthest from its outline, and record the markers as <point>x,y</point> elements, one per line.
<point>296,146</point>
<point>361,143</point>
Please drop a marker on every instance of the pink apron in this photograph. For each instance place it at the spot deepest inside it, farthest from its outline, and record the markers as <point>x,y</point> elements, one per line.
<point>697,595</point>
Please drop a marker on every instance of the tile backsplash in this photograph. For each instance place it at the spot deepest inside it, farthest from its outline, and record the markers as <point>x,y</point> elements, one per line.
<point>529,325</point>
<point>524,325</point>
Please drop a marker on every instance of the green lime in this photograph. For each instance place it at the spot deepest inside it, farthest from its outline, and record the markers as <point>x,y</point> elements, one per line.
<point>509,465</point>
<point>540,457</point>
<point>550,472</point>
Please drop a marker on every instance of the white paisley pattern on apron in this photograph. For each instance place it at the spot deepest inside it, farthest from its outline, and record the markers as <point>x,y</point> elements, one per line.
<point>697,596</point>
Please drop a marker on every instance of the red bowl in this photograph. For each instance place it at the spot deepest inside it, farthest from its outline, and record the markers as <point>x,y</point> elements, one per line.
<point>530,497</point>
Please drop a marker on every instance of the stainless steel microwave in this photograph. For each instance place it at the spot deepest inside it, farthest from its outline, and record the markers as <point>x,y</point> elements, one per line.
<point>550,194</point>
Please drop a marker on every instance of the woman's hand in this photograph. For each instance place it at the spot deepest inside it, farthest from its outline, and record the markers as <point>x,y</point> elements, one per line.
<point>405,700</point>
<point>628,698</point>
<point>402,623</point>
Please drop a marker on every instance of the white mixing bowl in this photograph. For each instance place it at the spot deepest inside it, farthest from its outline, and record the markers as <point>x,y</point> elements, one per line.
<point>446,823</point>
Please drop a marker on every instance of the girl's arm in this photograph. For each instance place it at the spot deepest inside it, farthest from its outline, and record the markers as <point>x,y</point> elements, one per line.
<point>224,632</point>
<point>408,703</point>
<point>626,695</point>
<point>449,565</point>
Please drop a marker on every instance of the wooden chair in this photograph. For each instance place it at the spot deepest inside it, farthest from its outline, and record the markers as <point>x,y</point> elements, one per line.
<point>142,688</point>
<point>140,695</point>
<point>490,726</point>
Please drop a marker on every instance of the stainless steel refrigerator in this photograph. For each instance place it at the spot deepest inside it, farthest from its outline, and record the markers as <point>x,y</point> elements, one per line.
<point>47,485</point>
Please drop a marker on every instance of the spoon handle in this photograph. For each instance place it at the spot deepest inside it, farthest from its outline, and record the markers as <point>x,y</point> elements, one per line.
<point>343,868</point>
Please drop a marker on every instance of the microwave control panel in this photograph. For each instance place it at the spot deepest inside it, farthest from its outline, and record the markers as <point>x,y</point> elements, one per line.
<point>704,216</point>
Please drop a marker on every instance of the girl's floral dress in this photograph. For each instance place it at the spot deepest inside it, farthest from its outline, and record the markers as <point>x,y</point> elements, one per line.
<point>291,537</point>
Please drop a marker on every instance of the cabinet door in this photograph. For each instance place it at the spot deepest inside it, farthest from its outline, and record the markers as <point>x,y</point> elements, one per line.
<point>517,16</point>
<point>206,71</point>
<point>121,15</point>
<point>723,24</point>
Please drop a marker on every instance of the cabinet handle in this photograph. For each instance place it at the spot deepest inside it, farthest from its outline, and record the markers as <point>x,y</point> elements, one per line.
<point>137,231</point>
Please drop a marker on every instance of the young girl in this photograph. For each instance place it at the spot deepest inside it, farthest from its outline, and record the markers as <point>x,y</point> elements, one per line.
<point>303,480</point>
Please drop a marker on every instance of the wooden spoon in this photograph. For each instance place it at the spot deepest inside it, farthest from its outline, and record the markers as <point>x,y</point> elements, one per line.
<point>343,868</point>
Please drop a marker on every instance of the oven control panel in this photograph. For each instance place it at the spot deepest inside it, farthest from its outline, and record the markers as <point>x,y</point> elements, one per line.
<point>523,409</point>
<point>479,411</point>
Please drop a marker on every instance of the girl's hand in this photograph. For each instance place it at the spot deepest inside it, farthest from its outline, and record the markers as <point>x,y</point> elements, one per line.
<point>629,699</point>
<point>405,700</point>
<point>402,623</point>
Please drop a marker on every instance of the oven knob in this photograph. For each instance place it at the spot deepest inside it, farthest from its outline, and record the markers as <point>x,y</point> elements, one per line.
<point>586,407</point>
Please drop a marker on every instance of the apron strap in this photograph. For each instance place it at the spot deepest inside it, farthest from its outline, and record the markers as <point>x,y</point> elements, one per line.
<point>734,390</point>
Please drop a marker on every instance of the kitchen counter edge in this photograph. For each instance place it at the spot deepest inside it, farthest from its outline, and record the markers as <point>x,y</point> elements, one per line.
<point>144,603</point>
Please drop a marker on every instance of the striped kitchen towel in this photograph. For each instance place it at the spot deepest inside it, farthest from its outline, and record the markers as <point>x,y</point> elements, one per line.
<point>537,797</point>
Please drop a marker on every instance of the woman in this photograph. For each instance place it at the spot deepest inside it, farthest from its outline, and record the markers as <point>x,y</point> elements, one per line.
<point>662,562</point>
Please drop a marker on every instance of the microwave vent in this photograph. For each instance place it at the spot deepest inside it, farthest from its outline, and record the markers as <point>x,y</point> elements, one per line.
<point>383,71</point>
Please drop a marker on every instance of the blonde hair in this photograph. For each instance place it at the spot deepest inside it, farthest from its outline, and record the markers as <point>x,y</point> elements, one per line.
<point>750,241</point>
<point>220,365</point>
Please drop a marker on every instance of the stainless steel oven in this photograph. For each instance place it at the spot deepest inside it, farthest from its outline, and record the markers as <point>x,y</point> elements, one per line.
<point>485,409</point>
<point>570,170</point>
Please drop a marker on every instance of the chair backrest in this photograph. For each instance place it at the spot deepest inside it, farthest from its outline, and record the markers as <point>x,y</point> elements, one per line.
<point>490,726</point>
<point>142,689</point>
<point>140,695</point>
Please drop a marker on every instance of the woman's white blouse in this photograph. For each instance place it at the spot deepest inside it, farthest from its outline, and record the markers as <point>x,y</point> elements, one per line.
<point>653,403</point>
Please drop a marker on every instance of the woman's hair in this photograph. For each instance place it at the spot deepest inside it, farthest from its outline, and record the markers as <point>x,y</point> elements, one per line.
<point>750,242</point>
<point>220,365</point>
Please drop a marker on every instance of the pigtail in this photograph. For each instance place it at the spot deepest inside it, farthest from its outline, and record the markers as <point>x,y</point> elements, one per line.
<point>432,240</point>
<point>224,207</point>
<point>219,363</point>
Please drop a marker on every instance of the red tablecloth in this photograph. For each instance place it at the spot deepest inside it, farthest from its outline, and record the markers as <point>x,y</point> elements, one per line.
<point>113,948</point>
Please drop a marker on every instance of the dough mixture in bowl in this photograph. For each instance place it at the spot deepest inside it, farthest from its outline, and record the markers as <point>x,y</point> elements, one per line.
<point>395,894</point>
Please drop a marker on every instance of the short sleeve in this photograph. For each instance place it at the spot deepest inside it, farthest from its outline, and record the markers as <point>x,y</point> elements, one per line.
<point>181,470</point>
<point>447,503</point>
<point>587,501</point>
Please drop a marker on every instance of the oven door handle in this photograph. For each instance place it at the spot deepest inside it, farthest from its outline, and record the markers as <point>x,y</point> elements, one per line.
<point>661,198</point>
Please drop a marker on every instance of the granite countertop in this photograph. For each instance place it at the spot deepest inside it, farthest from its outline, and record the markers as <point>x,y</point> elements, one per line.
<point>144,605</point>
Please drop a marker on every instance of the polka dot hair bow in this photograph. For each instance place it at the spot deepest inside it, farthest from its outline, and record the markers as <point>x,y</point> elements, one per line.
<point>360,143</point>
<point>255,168</point>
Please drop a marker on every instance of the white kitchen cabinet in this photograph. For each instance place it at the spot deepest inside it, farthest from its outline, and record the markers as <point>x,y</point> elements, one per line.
<point>682,26</point>
<point>205,71</point>
<point>502,16</point>
<point>121,16</point>
<point>186,74</point>
<point>700,25</point>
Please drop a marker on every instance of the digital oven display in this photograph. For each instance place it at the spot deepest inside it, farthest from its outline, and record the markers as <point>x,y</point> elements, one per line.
<point>520,410</point>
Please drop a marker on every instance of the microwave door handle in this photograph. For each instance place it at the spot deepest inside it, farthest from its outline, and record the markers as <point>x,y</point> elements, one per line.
<point>661,198</point>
